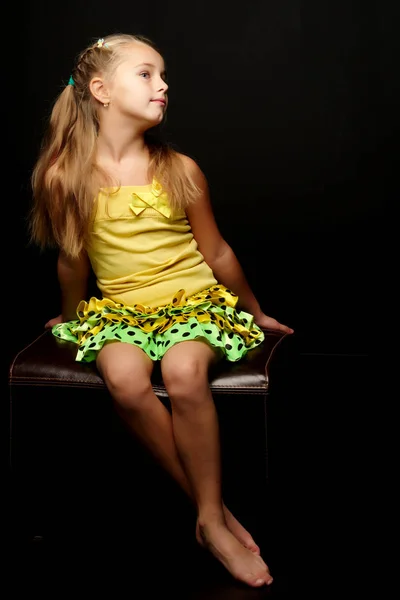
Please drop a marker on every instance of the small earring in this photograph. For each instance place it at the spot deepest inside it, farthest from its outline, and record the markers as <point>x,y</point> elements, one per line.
<point>106,105</point>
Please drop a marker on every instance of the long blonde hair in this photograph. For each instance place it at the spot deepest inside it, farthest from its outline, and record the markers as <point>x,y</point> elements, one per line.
<point>66,179</point>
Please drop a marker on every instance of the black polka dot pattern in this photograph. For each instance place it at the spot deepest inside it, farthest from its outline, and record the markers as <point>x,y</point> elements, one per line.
<point>208,316</point>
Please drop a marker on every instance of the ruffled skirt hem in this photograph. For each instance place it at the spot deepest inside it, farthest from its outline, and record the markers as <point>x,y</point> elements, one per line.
<point>209,316</point>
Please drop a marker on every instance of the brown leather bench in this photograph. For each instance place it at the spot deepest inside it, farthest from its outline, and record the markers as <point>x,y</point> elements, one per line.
<point>66,440</point>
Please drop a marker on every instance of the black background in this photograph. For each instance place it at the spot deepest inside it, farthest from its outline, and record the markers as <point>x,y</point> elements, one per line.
<point>291,110</point>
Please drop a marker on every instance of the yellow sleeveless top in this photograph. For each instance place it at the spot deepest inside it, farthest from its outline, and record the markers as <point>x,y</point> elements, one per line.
<point>142,252</point>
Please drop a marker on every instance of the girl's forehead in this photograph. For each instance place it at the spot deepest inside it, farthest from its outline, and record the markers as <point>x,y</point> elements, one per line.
<point>138,54</point>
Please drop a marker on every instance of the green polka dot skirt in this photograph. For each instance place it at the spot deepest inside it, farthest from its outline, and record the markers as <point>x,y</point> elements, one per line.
<point>209,316</point>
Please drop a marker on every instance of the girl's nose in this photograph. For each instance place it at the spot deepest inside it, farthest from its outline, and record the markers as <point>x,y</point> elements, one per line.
<point>163,85</point>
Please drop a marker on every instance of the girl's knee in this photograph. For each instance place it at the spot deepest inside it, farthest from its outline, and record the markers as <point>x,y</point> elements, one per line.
<point>183,378</point>
<point>130,390</point>
<point>128,383</point>
<point>130,393</point>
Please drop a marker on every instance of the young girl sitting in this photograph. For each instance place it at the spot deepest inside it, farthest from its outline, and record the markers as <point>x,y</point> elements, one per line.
<point>120,203</point>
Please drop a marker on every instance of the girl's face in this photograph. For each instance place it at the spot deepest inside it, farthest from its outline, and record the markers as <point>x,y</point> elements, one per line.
<point>138,88</point>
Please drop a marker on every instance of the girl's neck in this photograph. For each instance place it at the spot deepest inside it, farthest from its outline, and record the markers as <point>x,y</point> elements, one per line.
<point>125,159</point>
<point>121,147</point>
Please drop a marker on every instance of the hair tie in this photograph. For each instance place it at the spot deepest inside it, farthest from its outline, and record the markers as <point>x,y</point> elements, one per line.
<point>101,43</point>
<point>71,81</point>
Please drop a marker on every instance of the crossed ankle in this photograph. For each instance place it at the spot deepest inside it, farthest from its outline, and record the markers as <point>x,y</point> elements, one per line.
<point>210,517</point>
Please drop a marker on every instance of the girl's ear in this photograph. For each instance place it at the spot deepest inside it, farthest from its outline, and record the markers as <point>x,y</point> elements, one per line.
<point>99,90</point>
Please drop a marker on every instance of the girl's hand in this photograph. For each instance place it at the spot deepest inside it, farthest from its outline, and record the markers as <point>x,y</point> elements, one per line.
<point>55,321</point>
<point>266,322</point>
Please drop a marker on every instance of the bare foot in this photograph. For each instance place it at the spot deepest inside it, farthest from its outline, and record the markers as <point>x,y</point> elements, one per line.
<point>242,564</point>
<point>238,531</point>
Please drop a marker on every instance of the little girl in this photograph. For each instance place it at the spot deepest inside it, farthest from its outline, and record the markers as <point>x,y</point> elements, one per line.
<point>115,200</point>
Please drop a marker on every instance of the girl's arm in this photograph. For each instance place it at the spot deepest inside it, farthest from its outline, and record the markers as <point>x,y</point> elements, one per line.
<point>73,277</point>
<point>219,255</point>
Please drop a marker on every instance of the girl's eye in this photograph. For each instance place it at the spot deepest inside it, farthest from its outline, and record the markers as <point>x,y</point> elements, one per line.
<point>145,73</point>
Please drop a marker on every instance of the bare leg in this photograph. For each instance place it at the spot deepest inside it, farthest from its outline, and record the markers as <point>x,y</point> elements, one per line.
<point>126,371</point>
<point>196,431</point>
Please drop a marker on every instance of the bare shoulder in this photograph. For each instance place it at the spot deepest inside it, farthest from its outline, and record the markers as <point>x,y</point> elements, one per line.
<point>189,162</point>
<point>193,169</point>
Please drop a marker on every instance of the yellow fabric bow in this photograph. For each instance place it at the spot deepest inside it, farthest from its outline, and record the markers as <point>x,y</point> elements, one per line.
<point>157,200</point>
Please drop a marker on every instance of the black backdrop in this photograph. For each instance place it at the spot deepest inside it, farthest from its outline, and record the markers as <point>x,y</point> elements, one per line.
<point>289,109</point>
